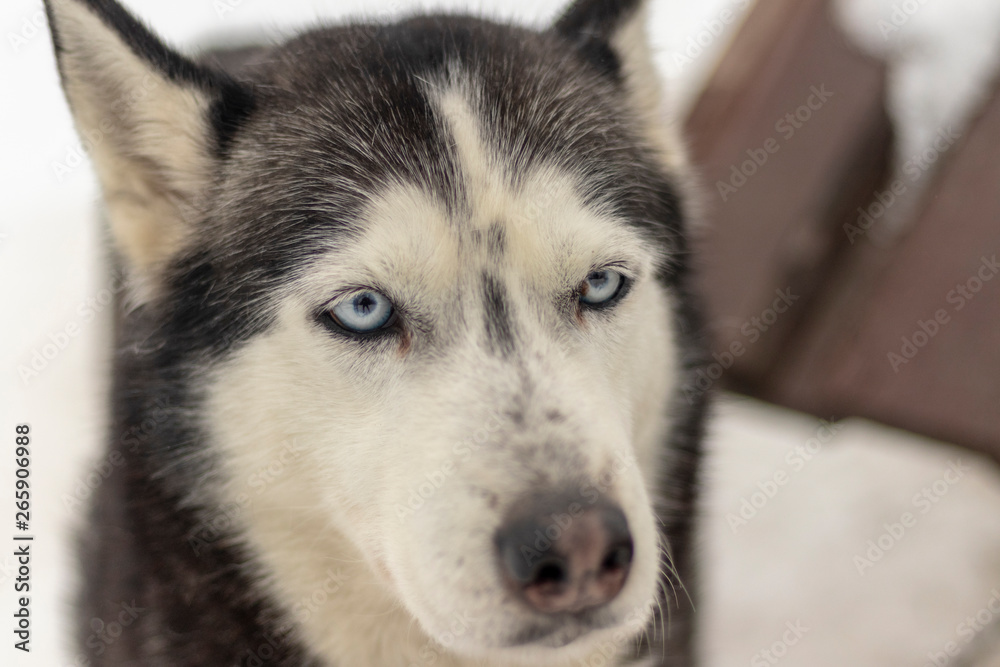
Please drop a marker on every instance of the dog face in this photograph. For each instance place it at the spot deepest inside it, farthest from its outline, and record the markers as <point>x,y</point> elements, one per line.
<point>421,280</point>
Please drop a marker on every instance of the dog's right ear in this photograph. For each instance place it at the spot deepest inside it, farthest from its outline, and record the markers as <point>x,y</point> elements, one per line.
<point>156,123</point>
<point>612,36</point>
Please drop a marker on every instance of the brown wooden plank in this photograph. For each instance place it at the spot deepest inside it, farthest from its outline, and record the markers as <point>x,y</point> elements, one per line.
<point>778,232</point>
<point>951,387</point>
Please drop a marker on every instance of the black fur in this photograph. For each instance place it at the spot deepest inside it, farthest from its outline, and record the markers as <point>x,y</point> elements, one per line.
<point>590,25</point>
<point>498,325</point>
<point>230,101</point>
<point>329,116</point>
<point>496,240</point>
<point>177,564</point>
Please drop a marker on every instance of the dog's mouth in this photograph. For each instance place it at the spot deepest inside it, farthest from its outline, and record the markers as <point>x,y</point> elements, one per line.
<point>560,634</point>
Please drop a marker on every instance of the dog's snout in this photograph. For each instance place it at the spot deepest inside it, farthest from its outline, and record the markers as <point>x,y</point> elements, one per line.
<point>563,557</point>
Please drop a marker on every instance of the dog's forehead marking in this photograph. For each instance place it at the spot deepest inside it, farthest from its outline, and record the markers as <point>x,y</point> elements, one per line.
<point>493,239</point>
<point>510,237</point>
<point>480,172</point>
<point>490,203</point>
<point>529,209</point>
<point>497,316</point>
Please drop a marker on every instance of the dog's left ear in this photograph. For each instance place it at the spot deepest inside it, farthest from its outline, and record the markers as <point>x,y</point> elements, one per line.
<point>156,125</point>
<point>611,34</point>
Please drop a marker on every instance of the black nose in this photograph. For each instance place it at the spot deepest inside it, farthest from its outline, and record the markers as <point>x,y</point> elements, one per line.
<point>563,556</point>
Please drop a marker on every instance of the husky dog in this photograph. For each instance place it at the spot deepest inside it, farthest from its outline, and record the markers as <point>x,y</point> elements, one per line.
<point>403,376</point>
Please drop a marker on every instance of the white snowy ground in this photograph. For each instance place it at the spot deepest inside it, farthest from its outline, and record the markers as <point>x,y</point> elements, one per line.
<point>789,574</point>
<point>874,544</point>
<point>943,58</point>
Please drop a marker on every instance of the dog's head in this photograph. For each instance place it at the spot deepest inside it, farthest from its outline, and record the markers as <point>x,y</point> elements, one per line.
<point>426,278</point>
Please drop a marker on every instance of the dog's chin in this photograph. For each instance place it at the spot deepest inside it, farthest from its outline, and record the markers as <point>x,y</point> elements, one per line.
<point>555,642</point>
<point>561,636</point>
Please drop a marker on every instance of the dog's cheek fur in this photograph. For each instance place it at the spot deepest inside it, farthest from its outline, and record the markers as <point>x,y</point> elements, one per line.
<point>454,485</point>
<point>395,500</point>
<point>299,440</point>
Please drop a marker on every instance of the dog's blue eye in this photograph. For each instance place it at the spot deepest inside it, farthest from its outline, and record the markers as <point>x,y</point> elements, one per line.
<point>364,312</point>
<point>601,287</point>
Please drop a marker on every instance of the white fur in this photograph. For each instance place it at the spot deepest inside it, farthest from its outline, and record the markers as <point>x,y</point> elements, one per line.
<point>644,88</point>
<point>146,135</point>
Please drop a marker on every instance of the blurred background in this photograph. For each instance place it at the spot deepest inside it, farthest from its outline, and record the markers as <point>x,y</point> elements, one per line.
<point>847,156</point>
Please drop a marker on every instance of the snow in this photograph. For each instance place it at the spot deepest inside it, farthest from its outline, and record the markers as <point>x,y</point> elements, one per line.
<point>943,58</point>
<point>880,543</point>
